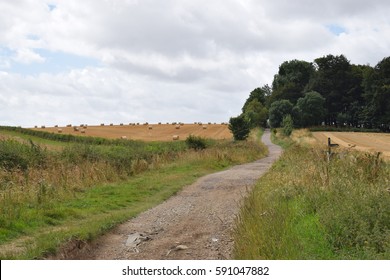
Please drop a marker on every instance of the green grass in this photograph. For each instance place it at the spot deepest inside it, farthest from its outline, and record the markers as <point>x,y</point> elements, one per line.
<point>98,209</point>
<point>278,138</point>
<point>40,213</point>
<point>26,138</point>
<point>307,208</point>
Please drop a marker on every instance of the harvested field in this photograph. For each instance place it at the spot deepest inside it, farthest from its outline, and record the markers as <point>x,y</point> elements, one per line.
<point>150,132</point>
<point>366,142</point>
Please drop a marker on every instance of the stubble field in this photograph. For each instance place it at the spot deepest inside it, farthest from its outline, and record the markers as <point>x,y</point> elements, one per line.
<point>149,132</point>
<point>365,142</point>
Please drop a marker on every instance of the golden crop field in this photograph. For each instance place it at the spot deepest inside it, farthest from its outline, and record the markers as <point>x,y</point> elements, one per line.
<point>366,142</point>
<point>146,132</point>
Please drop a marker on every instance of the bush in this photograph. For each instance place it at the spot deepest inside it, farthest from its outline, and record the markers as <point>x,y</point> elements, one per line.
<point>239,127</point>
<point>287,125</point>
<point>196,142</point>
<point>15,155</point>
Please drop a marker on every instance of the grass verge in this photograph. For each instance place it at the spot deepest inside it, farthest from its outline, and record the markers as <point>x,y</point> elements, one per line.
<point>308,208</point>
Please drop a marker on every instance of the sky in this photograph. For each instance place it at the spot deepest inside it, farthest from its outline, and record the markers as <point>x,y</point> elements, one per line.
<point>105,61</point>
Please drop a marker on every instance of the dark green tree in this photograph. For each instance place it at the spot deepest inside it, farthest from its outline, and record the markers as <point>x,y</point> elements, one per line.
<point>291,80</point>
<point>333,81</point>
<point>352,95</point>
<point>258,94</point>
<point>377,96</point>
<point>256,114</point>
<point>278,110</point>
<point>310,109</point>
<point>239,127</point>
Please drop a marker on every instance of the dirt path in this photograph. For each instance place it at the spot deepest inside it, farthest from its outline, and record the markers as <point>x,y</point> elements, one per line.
<point>194,224</point>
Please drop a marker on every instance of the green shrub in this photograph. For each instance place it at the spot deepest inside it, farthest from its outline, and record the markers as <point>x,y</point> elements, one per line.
<point>239,127</point>
<point>16,155</point>
<point>196,142</point>
<point>287,125</point>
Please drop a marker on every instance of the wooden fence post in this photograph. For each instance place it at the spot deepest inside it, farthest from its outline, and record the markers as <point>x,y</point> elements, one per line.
<point>330,145</point>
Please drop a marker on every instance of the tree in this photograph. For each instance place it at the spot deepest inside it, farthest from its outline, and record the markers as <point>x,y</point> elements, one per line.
<point>291,80</point>
<point>377,96</point>
<point>258,94</point>
<point>254,109</point>
<point>340,93</point>
<point>239,127</point>
<point>333,80</point>
<point>256,114</point>
<point>310,109</point>
<point>278,110</point>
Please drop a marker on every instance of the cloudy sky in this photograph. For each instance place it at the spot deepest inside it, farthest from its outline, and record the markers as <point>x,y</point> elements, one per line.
<point>93,61</point>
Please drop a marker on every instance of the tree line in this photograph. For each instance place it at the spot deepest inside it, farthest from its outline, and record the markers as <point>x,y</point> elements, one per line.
<point>328,91</point>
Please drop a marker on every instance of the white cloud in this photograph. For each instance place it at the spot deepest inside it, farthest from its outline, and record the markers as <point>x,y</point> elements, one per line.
<point>168,60</point>
<point>27,56</point>
<point>101,95</point>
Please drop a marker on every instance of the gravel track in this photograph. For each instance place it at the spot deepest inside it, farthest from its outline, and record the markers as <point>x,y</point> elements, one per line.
<point>196,223</point>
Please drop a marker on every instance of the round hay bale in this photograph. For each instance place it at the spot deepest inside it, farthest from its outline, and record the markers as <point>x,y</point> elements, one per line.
<point>178,127</point>
<point>204,127</point>
<point>59,130</point>
<point>175,137</point>
<point>82,131</point>
<point>123,137</point>
<point>150,127</point>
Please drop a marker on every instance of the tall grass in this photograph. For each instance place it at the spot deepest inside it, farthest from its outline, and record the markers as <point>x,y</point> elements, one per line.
<point>309,208</point>
<point>51,196</point>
